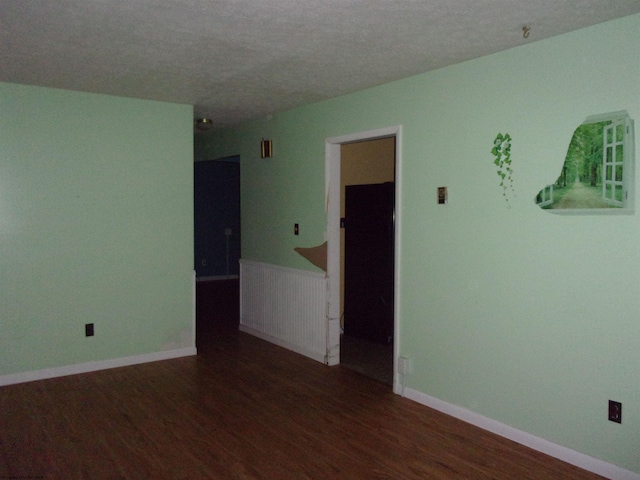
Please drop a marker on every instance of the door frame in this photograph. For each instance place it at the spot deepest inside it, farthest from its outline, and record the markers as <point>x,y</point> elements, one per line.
<point>332,208</point>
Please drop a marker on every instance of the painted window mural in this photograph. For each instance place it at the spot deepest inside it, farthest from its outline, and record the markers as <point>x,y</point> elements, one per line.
<point>597,174</point>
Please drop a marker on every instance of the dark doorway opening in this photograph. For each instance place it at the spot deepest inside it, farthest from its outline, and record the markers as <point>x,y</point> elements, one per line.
<point>368,209</point>
<point>216,248</point>
<point>216,187</point>
<point>369,265</point>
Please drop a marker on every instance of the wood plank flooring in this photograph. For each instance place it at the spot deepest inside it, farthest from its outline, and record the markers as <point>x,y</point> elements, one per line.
<point>244,409</point>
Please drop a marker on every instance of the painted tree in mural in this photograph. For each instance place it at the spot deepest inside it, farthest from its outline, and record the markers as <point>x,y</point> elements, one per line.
<point>584,156</point>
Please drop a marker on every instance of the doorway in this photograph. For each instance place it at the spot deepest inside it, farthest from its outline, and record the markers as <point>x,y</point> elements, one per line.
<point>216,248</point>
<point>367,335</point>
<point>337,149</point>
<point>368,266</point>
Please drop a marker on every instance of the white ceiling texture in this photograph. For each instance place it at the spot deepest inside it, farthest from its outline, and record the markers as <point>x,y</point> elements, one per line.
<point>236,60</point>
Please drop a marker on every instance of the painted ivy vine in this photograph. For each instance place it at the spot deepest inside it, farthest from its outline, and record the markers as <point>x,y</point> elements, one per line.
<point>502,152</point>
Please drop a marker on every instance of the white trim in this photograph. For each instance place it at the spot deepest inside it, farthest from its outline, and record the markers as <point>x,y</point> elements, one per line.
<point>332,203</point>
<point>94,366</point>
<point>603,117</point>
<point>217,277</point>
<point>194,309</point>
<point>295,271</point>
<point>565,454</point>
<point>282,343</point>
<point>368,135</point>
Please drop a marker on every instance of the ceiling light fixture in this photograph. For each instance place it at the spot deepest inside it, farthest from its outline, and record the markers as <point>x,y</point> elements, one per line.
<point>204,124</point>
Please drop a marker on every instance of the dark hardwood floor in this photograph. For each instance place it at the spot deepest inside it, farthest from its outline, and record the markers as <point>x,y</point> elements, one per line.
<point>217,311</point>
<point>244,409</point>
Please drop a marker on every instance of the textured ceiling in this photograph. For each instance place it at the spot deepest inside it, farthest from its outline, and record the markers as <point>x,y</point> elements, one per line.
<point>235,60</point>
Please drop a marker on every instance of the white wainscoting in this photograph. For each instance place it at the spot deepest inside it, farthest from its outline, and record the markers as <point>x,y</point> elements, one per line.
<point>285,306</point>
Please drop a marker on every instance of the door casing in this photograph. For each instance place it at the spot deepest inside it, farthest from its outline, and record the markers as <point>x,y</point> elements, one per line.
<point>332,206</point>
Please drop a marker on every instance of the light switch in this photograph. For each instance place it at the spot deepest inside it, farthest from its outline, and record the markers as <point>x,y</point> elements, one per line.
<point>442,195</point>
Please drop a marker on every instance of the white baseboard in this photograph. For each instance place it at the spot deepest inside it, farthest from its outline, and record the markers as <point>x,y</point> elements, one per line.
<point>94,366</point>
<point>217,277</point>
<point>565,454</point>
<point>282,343</point>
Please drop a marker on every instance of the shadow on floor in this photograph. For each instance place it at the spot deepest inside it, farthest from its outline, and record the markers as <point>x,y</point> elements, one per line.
<point>371,359</point>
<point>217,310</point>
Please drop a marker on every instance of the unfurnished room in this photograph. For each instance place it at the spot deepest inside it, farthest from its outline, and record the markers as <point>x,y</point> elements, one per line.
<point>341,239</point>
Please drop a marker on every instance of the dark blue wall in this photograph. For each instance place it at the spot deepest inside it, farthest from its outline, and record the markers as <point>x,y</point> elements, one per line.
<point>216,210</point>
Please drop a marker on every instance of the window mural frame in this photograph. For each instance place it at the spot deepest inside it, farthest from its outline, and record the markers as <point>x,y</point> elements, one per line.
<point>598,173</point>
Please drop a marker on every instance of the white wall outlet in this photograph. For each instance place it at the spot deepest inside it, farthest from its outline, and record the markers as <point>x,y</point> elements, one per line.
<point>404,366</point>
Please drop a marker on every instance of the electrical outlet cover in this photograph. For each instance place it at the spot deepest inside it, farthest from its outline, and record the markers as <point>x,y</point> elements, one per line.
<point>615,411</point>
<point>88,330</point>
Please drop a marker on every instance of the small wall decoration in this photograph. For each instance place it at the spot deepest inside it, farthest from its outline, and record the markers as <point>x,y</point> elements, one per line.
<point>502,152</point>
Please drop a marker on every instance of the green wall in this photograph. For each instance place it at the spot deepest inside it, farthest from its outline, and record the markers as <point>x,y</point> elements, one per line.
<point>226,145</point>
<point>519,315</point>
<point>96,226</point>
